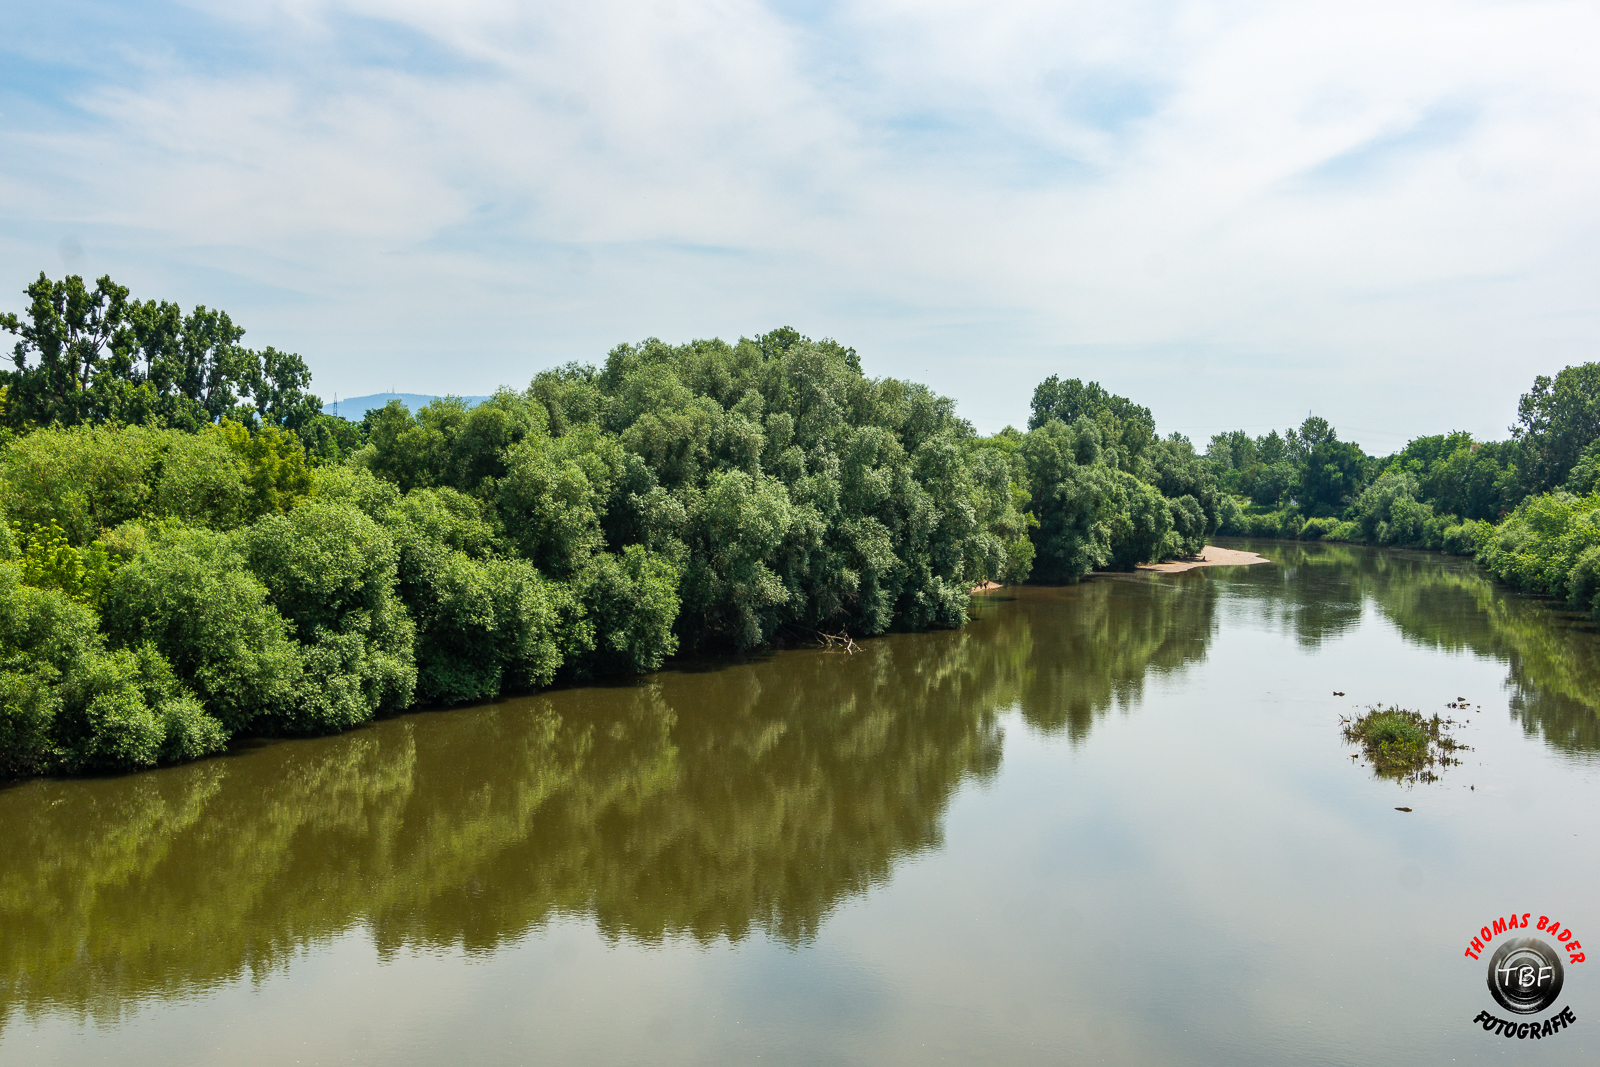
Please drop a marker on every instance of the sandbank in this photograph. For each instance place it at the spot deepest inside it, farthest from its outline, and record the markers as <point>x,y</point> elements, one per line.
<point>1210,556</point>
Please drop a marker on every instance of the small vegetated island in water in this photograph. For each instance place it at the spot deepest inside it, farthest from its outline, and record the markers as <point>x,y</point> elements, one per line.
<point>1404,745</point>
<point>192,551</point>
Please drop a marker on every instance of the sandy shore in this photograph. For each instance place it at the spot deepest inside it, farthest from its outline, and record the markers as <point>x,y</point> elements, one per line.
<point>1210,556</point>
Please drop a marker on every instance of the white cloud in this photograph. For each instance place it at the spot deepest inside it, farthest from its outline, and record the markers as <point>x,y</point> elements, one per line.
<point>1230,211</point>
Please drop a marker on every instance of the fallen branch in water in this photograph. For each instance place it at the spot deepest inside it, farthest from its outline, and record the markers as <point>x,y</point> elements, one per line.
<point>839,642</point>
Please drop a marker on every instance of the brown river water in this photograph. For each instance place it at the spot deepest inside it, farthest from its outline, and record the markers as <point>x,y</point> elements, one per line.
<point>1111,823</point>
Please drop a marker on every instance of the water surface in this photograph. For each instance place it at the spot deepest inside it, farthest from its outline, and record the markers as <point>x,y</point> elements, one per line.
<point>1114,822</point>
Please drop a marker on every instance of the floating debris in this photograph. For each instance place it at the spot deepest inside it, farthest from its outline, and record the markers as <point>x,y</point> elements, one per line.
<point>1402,809</point>
<point>1337,693</point>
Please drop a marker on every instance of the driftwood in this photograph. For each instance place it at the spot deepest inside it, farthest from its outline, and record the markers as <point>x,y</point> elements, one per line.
<point>839,642</point>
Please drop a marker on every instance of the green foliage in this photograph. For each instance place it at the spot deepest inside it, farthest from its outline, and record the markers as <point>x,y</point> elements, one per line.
<point>1545,546</point>
<point>552,496</point>
<point>332,573</point>
<point>1585,476</point>
<point>1459,476</point>
<point>1330,475</point>
<point>49,561</point>
<point>1072,496</point>
<point>1183,475</point>
<point>330,439</point>
<point>632,602</point>
<point>1556,420</point>
<point>447,444</point>
<point>88,480</point>
<point>84,480</point>
<point>741,532</point>
<point>483,623</point>
<point>1318,529</point>
<point>790,491</point>
<point>198,479</point>
<point>375,497</point>
<point>91,356</point>
<point>189,594</point>
<point>70,703</point>
<point>1583,581</point>
<point>1309,466</point>
<point>1388,511</point>
<point>264,568</point>
<point>298,573</point>
<point>1433,494</point>
<point>1126,429</point>
<point>1092,512</point>
<point>1140,521</point>
<point>273,462</point>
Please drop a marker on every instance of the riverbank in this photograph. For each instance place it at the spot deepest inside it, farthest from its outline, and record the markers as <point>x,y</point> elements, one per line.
<point>1210,556</point>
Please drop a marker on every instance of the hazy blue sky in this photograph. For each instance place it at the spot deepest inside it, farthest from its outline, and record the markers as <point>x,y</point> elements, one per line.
<point>1233,212</point>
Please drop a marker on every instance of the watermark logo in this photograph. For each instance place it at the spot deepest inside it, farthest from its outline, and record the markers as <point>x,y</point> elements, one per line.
<point>1526,973</point>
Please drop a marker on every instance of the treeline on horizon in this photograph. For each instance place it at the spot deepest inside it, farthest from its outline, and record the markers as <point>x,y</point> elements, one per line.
<point>193,552</point>
<point>1528,508</point>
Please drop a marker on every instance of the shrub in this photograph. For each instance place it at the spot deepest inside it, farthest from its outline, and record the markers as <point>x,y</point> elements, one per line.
<point>1583,581</point>
<point>1536,548</point>
<point>191,595</point>
<point>332,572</point>
<point>1463,540</point>
<point>632,603</point>
<point>1317,529</point>
<point>69,703</point>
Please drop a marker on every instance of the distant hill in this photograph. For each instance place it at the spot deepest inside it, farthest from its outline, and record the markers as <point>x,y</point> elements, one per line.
<point>354,407</point>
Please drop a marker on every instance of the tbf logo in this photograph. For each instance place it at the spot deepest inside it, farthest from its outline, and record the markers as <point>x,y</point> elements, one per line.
<point>1525,975</point>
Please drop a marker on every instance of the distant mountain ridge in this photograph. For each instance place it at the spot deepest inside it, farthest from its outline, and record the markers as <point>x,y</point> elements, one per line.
<point>354,407</point>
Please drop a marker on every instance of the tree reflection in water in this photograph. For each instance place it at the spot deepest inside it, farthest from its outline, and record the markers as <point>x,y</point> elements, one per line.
<point>704,803</point>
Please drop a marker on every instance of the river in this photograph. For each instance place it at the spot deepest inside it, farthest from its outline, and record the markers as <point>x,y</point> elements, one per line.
<point>1114,822</point>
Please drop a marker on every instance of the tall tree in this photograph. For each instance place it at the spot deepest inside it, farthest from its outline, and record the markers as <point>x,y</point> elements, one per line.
<point>1556,419</point>
<point>91,356</point>
<point>70,334</point>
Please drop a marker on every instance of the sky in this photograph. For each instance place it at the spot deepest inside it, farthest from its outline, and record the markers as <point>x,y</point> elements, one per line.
<point>1235,213</point>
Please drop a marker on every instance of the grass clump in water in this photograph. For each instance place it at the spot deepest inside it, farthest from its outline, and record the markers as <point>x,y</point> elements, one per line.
<point>1402,744</point>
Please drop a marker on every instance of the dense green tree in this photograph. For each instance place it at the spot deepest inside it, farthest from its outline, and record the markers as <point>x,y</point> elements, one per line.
<point>1585,476</point>
<point>1071,493</point>
<point>553,496</point>
<point>1544,546</point>
<point>1190,483</point>
<point>1389,512</point>
<point>91,479</point>
<point>1331,475</point>
<point>332,572</point>
<point>1126,429</point>
<point>93,355</point>
<point>70,703</point>
<point>71,334</point>
<point>484,623</point>
<point>190,594</point>
<point>631,601</point>
<point>1556,421</point>
<point>85,480</point>
<point>1472,479</point>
